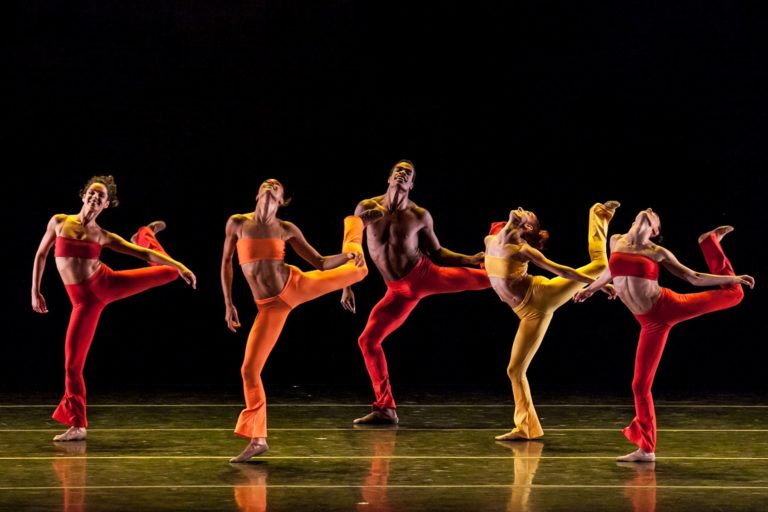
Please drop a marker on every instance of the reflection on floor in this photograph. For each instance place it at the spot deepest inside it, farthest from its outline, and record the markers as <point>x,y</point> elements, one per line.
<point>172,454</point>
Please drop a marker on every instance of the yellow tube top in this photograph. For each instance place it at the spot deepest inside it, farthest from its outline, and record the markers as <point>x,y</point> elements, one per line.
<point>506,267</point>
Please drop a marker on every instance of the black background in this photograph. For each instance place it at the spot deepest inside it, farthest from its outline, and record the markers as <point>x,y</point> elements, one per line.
<point>552,106</point>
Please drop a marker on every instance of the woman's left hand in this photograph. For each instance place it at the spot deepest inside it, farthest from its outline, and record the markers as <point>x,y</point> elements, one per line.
<point>189,277</point>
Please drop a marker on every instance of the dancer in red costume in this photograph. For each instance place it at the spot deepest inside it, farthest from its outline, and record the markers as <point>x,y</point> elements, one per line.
<point>91,285</point>
<point>402,243</point>
<point>259,237</point>
<point>634,269</point>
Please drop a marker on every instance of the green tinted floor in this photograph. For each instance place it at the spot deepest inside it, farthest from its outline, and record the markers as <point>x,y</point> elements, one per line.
<point>171,453</point>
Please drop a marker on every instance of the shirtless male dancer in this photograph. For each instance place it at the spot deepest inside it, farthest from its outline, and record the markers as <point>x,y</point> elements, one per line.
<point>403,246</point>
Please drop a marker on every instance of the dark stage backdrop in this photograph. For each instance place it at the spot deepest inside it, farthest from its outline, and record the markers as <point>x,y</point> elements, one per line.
<point>546,105</point>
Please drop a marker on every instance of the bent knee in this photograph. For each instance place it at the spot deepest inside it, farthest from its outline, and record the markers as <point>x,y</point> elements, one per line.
<point>368,343</point>
<point>515,374</point>
<point>737,294</point>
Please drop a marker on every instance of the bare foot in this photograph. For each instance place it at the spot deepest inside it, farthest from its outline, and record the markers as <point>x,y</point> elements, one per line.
<point>253,449</point>
<point>719,233</point>
<point>378,417</point>
<point>157,226</point>
<point>514,435</point>
<point>72,434</point>
<point>637,456</point>
<point>608,207</point>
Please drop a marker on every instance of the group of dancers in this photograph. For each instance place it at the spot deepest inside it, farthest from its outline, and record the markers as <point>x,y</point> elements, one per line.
<point>403,246</point>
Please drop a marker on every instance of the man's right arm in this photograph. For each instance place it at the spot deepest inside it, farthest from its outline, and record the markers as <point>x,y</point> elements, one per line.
<point>431,246</point>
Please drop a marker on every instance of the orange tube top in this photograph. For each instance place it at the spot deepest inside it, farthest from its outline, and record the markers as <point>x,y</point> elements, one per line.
<point>255,249</point>
<point>73,248</point>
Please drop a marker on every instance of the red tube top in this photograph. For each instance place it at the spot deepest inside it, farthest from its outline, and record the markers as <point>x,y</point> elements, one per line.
<point>633,265</point>
<point>72,248</point>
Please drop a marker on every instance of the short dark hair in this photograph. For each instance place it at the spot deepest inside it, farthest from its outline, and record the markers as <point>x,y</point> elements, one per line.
<point>403,161</point>
<point>109,182</point>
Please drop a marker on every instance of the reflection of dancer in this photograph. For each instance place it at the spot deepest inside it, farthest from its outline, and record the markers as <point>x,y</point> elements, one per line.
<point>641,490</point>
<point>634,269</point>
<point>403,244</point>
<point>374,489</point>
<point>534,299</point>
<point>72,473</point>
<point>251,496</point>
<point>527,458</point>
<point>259,238</point>
<point>91,285</point>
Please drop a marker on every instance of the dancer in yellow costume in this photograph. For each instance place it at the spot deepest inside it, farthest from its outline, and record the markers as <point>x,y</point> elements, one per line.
<point>534,299</point>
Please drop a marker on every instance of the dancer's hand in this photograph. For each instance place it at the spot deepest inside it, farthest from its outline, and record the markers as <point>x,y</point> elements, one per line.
<point>476,259</point>
<point>747,280</point>
<point>358,257</point>
<point>230,316</point>
<point>188,276</point>
<point>348,299</point>
<point>371,215</point>
<point>38,303</point>
<point>610,290</point>
<point>582,295</point>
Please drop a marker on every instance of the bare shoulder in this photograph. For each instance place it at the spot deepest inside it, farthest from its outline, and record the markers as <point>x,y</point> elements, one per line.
<point>239,218</point>
<point>287,225</point>
<point>57,220</point>
<point>419,211</point>
<point>660,253</point>
<point>372,202</point>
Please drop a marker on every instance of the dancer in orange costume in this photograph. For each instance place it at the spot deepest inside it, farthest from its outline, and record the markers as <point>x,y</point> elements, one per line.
<point>259,238</point>
<point>91,285</point>
<point>634,270</point>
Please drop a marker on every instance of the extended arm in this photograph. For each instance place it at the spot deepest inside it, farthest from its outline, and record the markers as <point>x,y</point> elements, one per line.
<point>431,246</point>
<point>314,258</point>
<point>672,264</point>
<point>119,244</point>
<point>38,267</point>
<point>541,261</point>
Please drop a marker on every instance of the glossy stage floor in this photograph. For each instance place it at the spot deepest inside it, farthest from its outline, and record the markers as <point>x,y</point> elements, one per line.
<point>170,452</point>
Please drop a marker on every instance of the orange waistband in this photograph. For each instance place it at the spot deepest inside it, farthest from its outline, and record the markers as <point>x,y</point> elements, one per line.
<point>255,249</point>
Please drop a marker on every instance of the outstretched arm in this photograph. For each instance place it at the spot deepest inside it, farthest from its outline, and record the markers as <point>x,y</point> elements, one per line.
<point>38,267</point>
<point>541,261</point>
<point>119,244</point>
<point>314,258</point>
<point>672,264</point>
<point>230,242</point>
<point>431,246</point>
